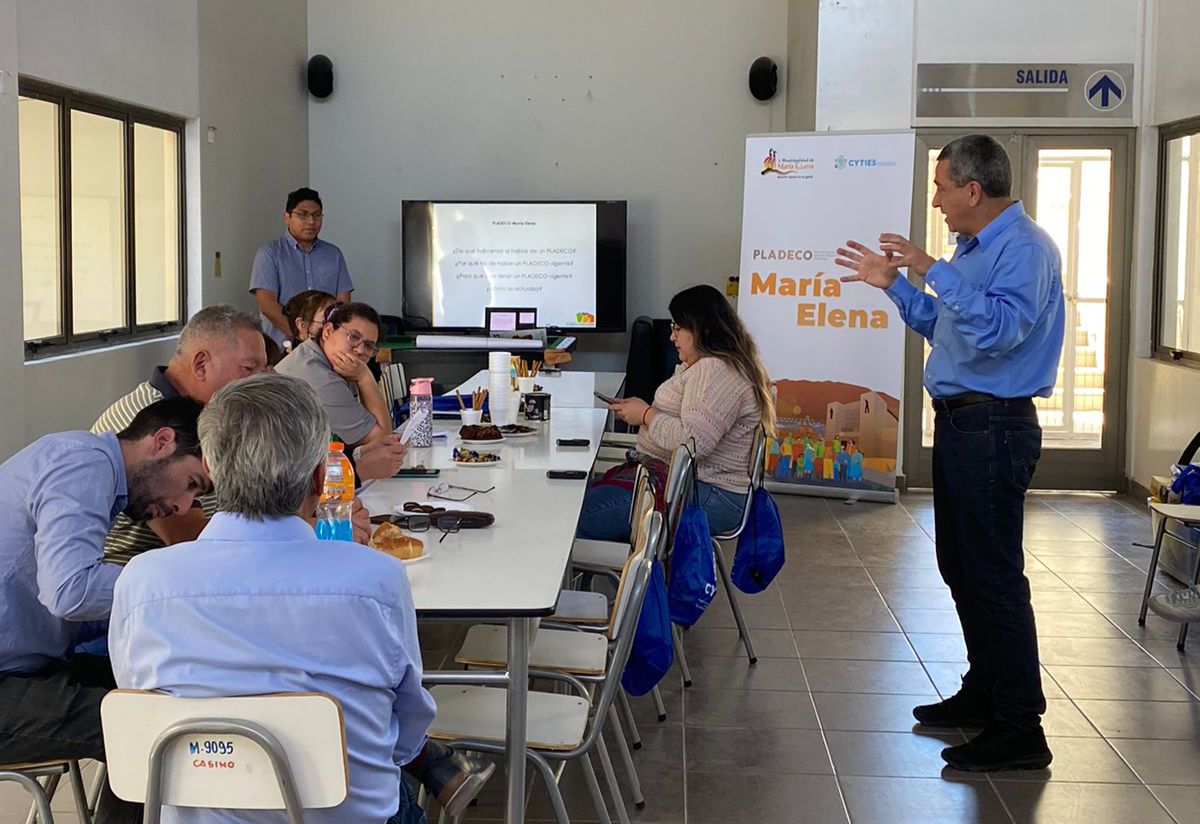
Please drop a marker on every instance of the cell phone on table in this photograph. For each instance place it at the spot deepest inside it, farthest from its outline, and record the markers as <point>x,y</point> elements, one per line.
<point>573,442</point>
<point>417,472</point>
<point>607,398</point>
<point>566,474</point>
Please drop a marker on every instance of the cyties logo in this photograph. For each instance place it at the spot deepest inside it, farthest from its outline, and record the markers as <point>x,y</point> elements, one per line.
<point>841,162</point>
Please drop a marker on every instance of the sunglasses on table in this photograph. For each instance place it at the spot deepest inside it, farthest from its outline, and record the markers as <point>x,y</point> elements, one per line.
<point>448,521</point>
<point>451,492</point>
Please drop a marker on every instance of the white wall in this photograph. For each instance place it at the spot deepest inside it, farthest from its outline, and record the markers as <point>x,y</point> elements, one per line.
<point>541,99</point>
<point>1163,397</point>
<point>253,91</point>
<point>237,66</point>
<point>139,51</point>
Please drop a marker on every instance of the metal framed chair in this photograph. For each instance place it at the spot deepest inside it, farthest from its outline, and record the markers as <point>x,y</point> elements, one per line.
<point>264,752</point>
<point>1185,515</point>
<point>561,728</point>
<point>756,470</point>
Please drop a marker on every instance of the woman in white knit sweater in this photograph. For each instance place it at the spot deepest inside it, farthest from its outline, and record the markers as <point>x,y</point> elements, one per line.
<point>718,397</point>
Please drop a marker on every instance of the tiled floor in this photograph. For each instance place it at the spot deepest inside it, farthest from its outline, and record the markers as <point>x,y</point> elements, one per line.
<point>857,629</point>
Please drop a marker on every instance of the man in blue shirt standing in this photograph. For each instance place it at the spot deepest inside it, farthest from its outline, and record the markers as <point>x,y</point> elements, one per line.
<point>295,262</point>
<point>995,325</point>
<point>60,495</point>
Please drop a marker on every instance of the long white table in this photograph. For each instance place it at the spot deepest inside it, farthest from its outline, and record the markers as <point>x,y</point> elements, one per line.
<point>512,571</point>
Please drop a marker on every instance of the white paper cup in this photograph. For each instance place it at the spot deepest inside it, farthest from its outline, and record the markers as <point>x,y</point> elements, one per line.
<point>471,417</point>
<point>525,385</point>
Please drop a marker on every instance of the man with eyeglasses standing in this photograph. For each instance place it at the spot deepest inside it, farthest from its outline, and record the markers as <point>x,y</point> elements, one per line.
<point>297,261</point>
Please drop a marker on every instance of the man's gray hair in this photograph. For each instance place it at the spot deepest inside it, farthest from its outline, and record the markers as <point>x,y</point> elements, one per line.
<point>262,437</point>
<point>980,158</point>
<point>220,322</point>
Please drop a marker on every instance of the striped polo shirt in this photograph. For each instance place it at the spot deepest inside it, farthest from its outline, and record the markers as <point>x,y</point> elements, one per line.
<point>127,537</point>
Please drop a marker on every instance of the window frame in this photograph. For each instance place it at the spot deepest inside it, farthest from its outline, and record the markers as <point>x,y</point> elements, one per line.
<point>1159,351</point>
<point>68,340</point>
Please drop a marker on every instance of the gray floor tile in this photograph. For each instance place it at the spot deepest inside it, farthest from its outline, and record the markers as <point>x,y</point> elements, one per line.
<point>864,712</point>
<point>758,615</point>
<point>856,646</point>
<point>892,754</point>
<point>1061,600</point>
<point>759,709</point>
<point>1182,802</point>
<point>939,646</point>
<point>905,577</point>
<point>768,643</point>
<point>735,673</point>
<point>1114,652</point>
<point>1171,720</point>
<point>1162,762</point>
<point>1111,563</point>
<point>1058,549</point>
<point>1122,683</point>
<point>943,621</point>
<point>1064,720</point>
<point>719,798</point>
<point>848,617</point>
<point>922,801</point>
<point>882,677</point>
<point>1052,803</point>
<point>918,597</point>
<point>744,751</point>
<point>1074,625</point>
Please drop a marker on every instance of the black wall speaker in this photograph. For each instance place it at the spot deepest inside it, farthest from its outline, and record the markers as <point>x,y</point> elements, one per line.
<point>764,78</point>
<point>320,76</point>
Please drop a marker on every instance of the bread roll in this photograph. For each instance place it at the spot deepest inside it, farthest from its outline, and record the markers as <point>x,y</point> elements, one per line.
<point>390,539</point>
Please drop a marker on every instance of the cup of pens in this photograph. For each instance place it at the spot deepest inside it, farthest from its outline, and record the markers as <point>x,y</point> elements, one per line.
<point>472,415</point>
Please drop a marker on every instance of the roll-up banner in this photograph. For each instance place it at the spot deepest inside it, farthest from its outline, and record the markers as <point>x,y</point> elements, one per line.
<point>834,351</point>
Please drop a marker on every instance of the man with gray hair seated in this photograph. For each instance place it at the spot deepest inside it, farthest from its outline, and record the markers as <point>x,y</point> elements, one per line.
<point>257,604</point>
<point>219,344</point>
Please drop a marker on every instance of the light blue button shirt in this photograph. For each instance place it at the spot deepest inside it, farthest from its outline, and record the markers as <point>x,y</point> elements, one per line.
<point>996,324</point>
<point>61,495</point>
<point>254,607</point>
<point>282,267</point>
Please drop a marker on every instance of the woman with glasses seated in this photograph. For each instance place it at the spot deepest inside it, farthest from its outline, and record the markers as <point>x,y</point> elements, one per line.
<point>718,398</point>
<point>334,364</point>
<point>305,314</point>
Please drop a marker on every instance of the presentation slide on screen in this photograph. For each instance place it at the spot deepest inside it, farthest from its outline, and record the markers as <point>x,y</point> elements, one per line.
<point>515,255</point>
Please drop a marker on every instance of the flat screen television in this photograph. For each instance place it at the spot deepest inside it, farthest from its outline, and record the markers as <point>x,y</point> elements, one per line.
<point>564,258</point>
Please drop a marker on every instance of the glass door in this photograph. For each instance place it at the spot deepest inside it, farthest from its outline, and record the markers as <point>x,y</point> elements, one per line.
<point>1076,186</point>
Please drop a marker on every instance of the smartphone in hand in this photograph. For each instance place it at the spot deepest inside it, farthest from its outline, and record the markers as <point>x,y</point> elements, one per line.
<point>607,399</point>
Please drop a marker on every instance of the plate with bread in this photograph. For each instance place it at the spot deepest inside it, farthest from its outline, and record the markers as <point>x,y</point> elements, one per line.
<point>392,540</point>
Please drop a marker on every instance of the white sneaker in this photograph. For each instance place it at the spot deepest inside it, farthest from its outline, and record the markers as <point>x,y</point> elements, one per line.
<point>1181,606</point>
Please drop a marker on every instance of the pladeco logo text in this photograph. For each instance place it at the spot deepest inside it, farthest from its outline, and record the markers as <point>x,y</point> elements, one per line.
<point>842,162</point>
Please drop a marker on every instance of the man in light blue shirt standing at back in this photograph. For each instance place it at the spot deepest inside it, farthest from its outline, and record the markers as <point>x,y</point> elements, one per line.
<point>995,325</point>
<point>295,262</point>
<point>259,605</point>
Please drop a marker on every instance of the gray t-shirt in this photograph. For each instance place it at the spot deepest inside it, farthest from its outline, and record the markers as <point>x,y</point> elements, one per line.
<point>348,418</point>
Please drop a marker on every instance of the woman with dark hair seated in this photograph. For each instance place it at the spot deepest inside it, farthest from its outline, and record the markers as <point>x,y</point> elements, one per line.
<point>334,364</point>
<point>305,314</point>
<point>719,396</point>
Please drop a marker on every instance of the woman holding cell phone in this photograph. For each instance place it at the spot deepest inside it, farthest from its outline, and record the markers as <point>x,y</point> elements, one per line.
<point>718,398</point>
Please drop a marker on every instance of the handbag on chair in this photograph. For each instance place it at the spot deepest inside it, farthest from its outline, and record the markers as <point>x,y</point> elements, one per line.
<point>653,653</point>
<point>693,581</point>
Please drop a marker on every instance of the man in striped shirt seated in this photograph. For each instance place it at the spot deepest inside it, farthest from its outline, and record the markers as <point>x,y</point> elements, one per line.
<point>219,344</point>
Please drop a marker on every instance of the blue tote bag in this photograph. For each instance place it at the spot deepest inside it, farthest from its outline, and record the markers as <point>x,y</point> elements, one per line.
<point>652,653</point>
<point>693,566</point>
<point>759,555</point>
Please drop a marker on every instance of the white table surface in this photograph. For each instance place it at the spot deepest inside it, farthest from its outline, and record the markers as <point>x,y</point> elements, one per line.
<point>515,566</point>
<point>567,389</point>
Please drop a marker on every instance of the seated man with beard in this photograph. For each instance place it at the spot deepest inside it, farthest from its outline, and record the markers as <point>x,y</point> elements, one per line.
<point>58,499</point>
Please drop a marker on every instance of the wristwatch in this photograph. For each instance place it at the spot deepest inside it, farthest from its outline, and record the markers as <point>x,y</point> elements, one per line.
<point>356,455</point>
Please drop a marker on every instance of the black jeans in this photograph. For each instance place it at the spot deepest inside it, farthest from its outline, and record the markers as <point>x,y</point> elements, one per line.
<point>55,714</point>
<point>984,456</point>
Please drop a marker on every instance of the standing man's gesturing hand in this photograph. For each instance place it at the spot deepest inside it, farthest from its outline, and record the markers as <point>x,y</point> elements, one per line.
<point>905,253</point>
<point>877,270</point>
